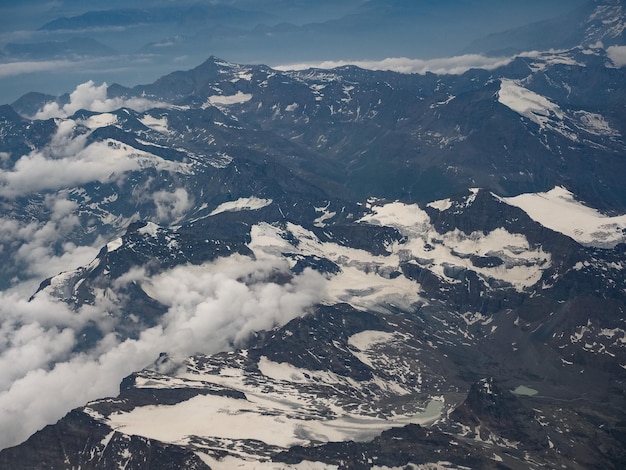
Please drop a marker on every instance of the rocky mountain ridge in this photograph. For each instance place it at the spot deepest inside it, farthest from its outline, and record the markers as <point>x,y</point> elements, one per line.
<point>329,268</point>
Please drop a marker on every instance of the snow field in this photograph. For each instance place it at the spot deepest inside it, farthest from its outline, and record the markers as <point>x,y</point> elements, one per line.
<point>558,210</point>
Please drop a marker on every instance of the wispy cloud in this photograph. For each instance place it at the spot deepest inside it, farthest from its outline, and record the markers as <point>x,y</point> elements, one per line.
<point>171,206</point>
<point>447,66</point>
<point>11,69</point>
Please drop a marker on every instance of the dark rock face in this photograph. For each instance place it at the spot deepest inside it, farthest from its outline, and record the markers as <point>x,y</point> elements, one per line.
<point>490,409</point>
<point>494,413</point>
<point>397,447</point>
<point>310,347</point>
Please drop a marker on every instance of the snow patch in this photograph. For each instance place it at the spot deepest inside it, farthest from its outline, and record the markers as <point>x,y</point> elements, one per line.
<point>441,205</point>
<point>242,204</point>
<point>558,210</point>
<point>99,120</point>
<point>529,104</point>
<point>237,98</point>
<point>285,372</point>
<point>114,245</point>
<point>149,229</point>
<point>157,124</point>
<point>595,124</point>
<point>396,214</point>
<point>243,75</point>
<point>326,215</point>
<point>442,103</point>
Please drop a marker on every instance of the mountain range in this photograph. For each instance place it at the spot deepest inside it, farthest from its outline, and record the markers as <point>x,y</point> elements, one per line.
<point>237,266</point>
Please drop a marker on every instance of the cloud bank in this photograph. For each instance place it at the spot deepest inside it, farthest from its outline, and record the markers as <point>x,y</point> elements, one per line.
<point>456,65</point>
<point>56,167</point>
<point>69,160</point>
<point>93,98</point>
<point>212,308</point>
<point>443,66</point>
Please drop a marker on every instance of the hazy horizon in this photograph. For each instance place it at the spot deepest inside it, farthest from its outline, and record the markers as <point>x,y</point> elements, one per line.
<point>49,47</point>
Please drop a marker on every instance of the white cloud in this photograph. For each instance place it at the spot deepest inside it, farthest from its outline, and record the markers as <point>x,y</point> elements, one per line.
<point>171,206</point>
<point>617,54</point>
<point>33,347</point>
<point>42,396</point>
<point>133,275</point>
<point>229,301</point>
<point>211,308</point>
<point>94,98</point>
<point>40,247</point>
<point>38,172</point>
<point>69,161</point>
<point>445,66</point>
